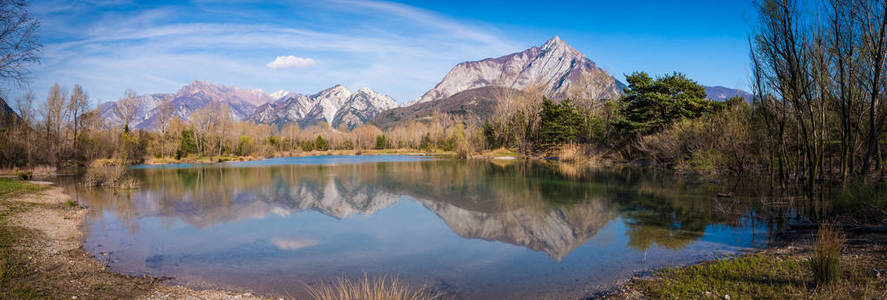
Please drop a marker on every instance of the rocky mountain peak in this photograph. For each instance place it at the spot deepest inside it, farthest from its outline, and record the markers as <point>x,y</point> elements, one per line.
<point>560,68</point>
<point>554,42</point>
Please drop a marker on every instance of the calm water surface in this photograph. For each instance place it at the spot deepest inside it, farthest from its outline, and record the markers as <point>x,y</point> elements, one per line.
<point>470,229</point>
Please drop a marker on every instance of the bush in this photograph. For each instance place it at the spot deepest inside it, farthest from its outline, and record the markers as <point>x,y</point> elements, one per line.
<point>320,144</point>
<point>826,260</point>
<point>570,153</point>
<point>366,288</point>
<point>307,146</point>
<point>25,175</point>
<point>381,142</point>
<point>115,176</point>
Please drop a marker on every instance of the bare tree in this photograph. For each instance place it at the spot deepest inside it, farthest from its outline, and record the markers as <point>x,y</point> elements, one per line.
<point>25,107</point>
<point>78,105</point>
<point>53,118</point>
<point>125,109</point>
<point>873,16</point>
<point>164,116</point>
<point>18,40</point>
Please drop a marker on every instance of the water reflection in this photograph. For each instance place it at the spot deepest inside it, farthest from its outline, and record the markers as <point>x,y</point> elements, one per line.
<point>540,207</point>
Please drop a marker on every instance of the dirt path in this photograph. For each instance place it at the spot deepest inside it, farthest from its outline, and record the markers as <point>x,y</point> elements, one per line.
<point>52,244</point>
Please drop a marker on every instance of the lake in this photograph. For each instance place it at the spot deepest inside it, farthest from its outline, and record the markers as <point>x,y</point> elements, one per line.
<point>469,229</point>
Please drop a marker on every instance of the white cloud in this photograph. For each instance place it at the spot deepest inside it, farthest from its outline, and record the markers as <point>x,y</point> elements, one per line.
<point>293,244</point>
<point>288,62</point>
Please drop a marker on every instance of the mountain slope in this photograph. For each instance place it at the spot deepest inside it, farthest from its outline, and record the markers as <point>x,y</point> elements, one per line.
<point>336,106</point>
<point>558,68</point>
<point>720,93</point>
<point>7,115</point>
<point>474,105</point>
<point>190,98</point>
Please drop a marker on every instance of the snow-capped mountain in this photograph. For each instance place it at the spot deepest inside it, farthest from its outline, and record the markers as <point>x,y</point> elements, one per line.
<point>336,105</point>
<point>558,68</point>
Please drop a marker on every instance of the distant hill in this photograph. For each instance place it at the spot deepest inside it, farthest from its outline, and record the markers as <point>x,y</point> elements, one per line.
<point>720,93</point>
<point>474,105</point>
<point>7,115</point>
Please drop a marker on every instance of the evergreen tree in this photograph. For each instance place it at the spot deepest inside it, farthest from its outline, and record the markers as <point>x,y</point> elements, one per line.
<point>561,123</point>
<point>320,144</point>
<point>649,105</point>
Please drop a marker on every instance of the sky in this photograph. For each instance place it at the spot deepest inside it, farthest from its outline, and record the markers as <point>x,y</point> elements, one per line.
<point>397,48</point>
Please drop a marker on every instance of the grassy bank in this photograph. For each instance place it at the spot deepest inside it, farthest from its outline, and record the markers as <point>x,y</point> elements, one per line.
<point>781,272</point>
<point>15,276</point>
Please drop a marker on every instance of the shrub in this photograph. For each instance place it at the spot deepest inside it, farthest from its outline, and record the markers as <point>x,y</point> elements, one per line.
<point>115,176</point>
<point>320,144</point>
<point>25,175</point>
<point>570,153</point>
<point>381,142</point>
<point>826,260</point>
<point>366,288</point>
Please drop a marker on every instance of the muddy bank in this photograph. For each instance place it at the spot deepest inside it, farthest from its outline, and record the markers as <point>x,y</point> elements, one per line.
<point>49,244</point>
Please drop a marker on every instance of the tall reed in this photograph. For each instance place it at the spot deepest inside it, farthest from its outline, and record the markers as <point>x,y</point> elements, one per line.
<point>826,260</point>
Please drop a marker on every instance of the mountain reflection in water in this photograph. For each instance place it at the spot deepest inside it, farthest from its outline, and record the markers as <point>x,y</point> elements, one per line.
<point>545,208</point>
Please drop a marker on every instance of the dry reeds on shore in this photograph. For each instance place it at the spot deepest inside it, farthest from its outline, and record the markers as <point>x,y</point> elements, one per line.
<point>378,288</point>
<point>102,173</point>
<point>826,260</point>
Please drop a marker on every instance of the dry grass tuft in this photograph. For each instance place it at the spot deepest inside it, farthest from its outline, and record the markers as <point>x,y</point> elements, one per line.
<point>571,153</point>
<point>826,260</point>
<point>102,174</point>
<point>379,288</point>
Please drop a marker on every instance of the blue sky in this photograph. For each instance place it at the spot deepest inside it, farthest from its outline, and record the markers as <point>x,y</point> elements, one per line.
<point>398,48</point>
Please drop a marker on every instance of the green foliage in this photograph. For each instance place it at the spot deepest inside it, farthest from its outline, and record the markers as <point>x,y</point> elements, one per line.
<point>320,144</point>
<point>704,161</point>
<point>188,144</point>
<point>381,142</point>
<point>11,187</point>
<point>490,135</point>
<point>426,143</point>
<point>758,275</point>
<point>244,145</point>
<point>307,145</point>
<point>561,124</point>
<point>650,106</point>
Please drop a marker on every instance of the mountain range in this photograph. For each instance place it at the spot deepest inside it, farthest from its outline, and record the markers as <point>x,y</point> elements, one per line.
<point>336,105</point>
<point>471,89</point>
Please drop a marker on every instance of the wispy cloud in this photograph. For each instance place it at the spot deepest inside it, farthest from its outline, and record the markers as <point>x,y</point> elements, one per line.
<point>290,62</point>
<point>393,48</point>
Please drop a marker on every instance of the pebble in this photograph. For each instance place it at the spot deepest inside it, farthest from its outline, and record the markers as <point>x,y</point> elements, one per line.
<point>726,297</point>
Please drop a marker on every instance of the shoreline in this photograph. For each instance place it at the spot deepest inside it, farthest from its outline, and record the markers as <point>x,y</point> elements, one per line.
<point>50,243</point>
